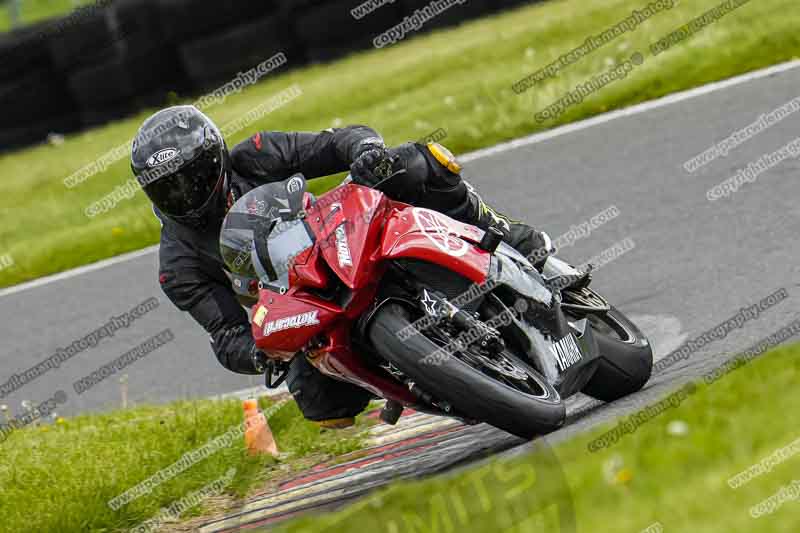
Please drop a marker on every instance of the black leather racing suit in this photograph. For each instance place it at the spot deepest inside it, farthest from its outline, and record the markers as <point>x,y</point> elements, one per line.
<point>191,269</point>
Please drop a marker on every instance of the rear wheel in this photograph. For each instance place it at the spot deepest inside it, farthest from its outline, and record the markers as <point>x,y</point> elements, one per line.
<point>626,357</point>
<point>502,390</point>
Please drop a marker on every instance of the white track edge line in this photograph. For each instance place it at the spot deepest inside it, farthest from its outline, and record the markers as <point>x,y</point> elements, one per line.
<point>77,271</point>
<point>632,110</point>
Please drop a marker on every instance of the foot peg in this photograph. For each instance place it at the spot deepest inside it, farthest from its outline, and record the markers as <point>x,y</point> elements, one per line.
<point>391,412</point>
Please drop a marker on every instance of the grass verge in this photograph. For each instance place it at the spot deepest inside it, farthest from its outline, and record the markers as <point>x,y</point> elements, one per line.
<point>458,80</point>
<point>37,10</point>
<point>672,471</point>
<point>60,477</point>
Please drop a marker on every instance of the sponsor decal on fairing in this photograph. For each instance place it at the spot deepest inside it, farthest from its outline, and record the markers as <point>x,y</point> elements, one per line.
<point>429,303</point>
<point>566,352</point>
<point>437,229</point>
<point>342,248</point>
<point>291,322</point>
<point>259,316</point>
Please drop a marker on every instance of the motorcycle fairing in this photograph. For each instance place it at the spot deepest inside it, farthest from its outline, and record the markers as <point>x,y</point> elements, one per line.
<point>347,225</point>
<point>338,360</point>
<point>289,321</point>
<point>418,233</point>
<point>573,379</point>
<point>510,269</point>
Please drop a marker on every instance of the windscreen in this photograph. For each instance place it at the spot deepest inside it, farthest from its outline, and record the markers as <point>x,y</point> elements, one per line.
<point>285,242</point>
<point>264,231</point>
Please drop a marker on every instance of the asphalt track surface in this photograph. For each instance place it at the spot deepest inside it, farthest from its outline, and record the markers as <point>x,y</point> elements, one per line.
<point>694,265</point>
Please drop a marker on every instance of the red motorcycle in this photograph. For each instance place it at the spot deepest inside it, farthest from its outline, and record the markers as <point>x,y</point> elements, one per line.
<point>424,311</point>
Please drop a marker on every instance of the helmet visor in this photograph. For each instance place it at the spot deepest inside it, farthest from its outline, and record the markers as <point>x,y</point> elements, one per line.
<point>189,188</point>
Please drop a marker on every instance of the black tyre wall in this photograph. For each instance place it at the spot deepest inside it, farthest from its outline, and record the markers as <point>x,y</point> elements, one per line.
<point>33,98</point>
<point>121,82</point>
<point>185,20</point>
<point>500,5</point>
<point>36,132</point>
<point>138,71</point>
<point>214,61</point>
<point>83,38</point>
<point>110,58</point>
<point>328,30</point>
<point>24,50</point>
<point>101,84</point>
<point>454,15</point>
<point>150,55</point>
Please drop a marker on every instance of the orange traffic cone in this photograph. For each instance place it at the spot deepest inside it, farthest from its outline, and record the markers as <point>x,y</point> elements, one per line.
<point>257,436</point>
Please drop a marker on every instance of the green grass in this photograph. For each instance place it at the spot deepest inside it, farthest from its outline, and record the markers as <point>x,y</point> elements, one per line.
<point>458,79</point>
<point>37,10</point>
<point>651,475</point>
<point>60,477</point>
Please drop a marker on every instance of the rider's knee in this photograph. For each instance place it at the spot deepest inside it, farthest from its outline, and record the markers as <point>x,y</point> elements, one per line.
<point>322,398</point>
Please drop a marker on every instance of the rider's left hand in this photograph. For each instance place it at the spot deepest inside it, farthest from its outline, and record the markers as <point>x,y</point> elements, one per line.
<point>363,170</point>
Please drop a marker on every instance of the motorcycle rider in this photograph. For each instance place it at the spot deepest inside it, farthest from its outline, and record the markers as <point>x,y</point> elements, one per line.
<point>182,162</point>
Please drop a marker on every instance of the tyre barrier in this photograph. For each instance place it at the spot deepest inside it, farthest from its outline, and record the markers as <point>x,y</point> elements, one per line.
<point>112,58</point>
<point>84,38</point>
<point>37,131</point>
<point>24,50</point>
<point>213,61</point>
<point>33,97</point>
<point>328,30</point>
<point>186,20</point>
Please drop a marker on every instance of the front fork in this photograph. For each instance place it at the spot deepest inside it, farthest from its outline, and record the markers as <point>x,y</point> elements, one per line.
<point>438,309</point>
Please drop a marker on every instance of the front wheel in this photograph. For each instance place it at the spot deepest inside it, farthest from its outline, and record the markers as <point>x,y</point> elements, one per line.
<point>502,391</point>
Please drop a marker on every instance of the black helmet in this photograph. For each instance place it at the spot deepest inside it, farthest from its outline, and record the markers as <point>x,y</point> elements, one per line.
<point>183,165</point>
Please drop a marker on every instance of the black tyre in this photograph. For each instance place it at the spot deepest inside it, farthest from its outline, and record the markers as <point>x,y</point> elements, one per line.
<point>626,361</point>
<point>471,392</point>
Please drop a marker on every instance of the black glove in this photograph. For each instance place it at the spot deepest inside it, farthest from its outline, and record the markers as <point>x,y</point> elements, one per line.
<point>372,166</point>
<point>260,360</point>
<point>270,368</point>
